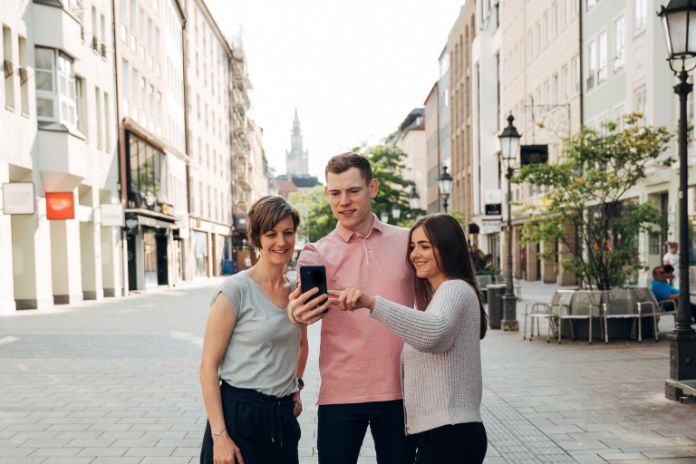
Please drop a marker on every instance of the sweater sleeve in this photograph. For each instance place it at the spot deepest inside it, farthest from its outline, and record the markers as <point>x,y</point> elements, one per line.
<point>435,329</point>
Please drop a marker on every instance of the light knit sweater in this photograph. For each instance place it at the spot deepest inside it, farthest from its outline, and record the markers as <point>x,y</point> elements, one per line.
<point>441,359</point>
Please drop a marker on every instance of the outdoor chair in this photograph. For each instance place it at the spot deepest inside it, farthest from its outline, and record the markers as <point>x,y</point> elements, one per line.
<point>585,306</point>
<point>537,311</point>
<point>620,305</point>
<point>648,306</point>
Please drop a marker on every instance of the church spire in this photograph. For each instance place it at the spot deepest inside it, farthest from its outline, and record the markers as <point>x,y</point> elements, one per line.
<point>296,159</point>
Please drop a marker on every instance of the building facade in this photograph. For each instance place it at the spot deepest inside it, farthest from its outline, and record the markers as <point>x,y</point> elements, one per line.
<point>154,156</point>
<point>210,145</point>
<point>541,88</point>
<point>59,165</point>
<point>411,139</point>
<point>429,202</point>
<point>459,47</point>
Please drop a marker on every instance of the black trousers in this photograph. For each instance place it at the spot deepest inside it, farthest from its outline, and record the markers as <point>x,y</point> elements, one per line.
<point>452,444</point>
<point>263,427</point>
<point>342,427</point>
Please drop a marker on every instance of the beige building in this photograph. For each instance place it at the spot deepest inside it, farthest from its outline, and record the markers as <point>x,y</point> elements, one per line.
<point>430,201</point>
<point>459,46</point>
<point>541,87</point>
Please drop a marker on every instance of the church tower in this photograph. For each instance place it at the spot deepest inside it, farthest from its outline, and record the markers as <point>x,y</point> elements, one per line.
<point>296,159</point>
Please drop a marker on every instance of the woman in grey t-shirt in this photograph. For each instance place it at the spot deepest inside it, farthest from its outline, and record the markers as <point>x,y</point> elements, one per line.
<point>253,357</point>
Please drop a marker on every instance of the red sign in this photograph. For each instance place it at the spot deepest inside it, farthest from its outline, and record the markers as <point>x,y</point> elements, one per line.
<point>60,205</point>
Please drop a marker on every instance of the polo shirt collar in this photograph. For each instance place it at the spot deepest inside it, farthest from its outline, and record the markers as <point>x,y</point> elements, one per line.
<point>346,234</point>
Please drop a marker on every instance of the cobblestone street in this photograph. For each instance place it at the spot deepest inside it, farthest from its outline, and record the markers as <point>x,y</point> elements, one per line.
<point>117,382</point>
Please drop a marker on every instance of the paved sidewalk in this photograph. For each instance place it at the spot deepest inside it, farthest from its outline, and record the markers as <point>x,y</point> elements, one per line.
<point>117,382</point>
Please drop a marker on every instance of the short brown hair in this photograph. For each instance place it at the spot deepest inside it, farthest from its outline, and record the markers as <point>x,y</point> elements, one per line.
<point>343,162</point>
<point>265,214</point>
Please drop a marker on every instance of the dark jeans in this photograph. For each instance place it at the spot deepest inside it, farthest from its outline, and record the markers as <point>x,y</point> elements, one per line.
<point>452,444</point>
<point>263,427</point>
<point>342,427</point>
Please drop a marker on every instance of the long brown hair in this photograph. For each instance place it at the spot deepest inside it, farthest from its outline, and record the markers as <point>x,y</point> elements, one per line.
<point>452,255</point>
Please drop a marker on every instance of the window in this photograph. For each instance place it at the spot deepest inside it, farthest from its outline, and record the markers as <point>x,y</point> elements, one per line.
<point>81,92</point>
<point>107,123</point>
<point>640,8</point>
<point>620,43</point>
<point>554,20</point>
<point>602,58</point>
<point>23,75</point>
<point>640,97</point>
<point>8,67</point>
<point>100,119</point>
<point>564,83</point>
<point>575,71</point>
<point>591,64</point>
<point>590,4</point>
<point>56,90</point>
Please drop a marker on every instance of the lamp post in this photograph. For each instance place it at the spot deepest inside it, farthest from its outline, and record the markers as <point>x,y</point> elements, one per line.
<point>396,211</point>
<point>414,198</point>
<point>509,143</point>
<point>680,32</point>
<point>384,216</point>
<point>445,184</point>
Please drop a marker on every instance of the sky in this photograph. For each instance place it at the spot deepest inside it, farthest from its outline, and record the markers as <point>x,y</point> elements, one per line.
<point>354,70</point>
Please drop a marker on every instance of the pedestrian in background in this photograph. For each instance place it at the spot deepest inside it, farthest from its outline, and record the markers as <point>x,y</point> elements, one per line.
<point>672,258</point>
<point>252,355</point>
<point>442,356</point>
<point>359,357</point>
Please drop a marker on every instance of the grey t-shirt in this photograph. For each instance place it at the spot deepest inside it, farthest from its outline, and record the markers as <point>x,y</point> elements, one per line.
<point>262,351</point>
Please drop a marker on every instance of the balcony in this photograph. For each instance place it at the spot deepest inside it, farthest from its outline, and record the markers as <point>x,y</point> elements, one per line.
<point>57,28</point>
<point>62,159</point>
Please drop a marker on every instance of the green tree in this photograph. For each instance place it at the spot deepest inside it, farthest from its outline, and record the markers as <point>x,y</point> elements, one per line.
<point>589,188</point>
<point>387,166</point>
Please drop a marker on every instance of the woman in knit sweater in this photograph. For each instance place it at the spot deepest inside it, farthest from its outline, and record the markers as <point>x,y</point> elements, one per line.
<point>441,359</point>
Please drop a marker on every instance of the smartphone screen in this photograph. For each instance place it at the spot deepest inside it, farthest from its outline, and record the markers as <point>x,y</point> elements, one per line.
<point>313,276</point>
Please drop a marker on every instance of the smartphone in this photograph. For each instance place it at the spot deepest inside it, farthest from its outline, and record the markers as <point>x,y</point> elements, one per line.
<point>313,276</point>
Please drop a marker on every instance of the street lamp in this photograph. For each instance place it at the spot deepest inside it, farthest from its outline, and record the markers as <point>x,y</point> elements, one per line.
<point>680,33</point>
<point>396,211</point>
<point>509,143</point>
<point>384,216</point>
<point>445,184</point>
<point>414,198</point>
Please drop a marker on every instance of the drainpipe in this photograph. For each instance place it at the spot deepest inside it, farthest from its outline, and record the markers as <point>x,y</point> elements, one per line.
<point>121,148</point>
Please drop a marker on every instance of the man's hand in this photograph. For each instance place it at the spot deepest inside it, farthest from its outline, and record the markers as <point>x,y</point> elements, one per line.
<point>305,308</point>
<point>351,299</point>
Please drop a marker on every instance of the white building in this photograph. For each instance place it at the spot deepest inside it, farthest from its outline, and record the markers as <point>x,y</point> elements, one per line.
<point>150,74</point>
<point>486,126</point>
<point>259,165</point>
<point>210,170</point>
<point>411,139</point>
<point>59,156</point>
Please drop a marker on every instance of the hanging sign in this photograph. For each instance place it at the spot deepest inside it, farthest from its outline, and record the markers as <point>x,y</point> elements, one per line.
<point>60,205</point>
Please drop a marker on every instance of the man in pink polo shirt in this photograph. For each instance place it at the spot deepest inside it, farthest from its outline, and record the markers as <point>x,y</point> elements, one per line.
<point>359,358</point>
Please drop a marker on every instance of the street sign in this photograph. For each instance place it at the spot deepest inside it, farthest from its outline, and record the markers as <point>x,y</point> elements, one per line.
<point>533,154</point>
<point>494,209</point>
<point>491,227</point>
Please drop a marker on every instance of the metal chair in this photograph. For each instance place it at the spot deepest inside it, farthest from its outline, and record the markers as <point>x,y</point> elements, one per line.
<point>648,306</point>
<point>549,311</point>
<point>584,306</point>
<point>619,304</point>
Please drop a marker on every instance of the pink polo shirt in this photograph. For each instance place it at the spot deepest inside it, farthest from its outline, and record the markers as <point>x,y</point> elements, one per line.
<point>359,357</point>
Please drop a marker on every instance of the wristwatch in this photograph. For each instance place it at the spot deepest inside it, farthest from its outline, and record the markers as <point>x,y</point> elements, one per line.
<point>300,383</point>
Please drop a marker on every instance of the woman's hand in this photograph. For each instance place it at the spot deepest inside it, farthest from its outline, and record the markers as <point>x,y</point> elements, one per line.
<point>351,299</point>
<point>307,308</point>
<point>298,403</point>
<point>225,451</point>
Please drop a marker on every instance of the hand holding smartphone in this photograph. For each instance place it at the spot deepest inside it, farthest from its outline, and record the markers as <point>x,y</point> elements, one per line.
<point>311,277</point>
